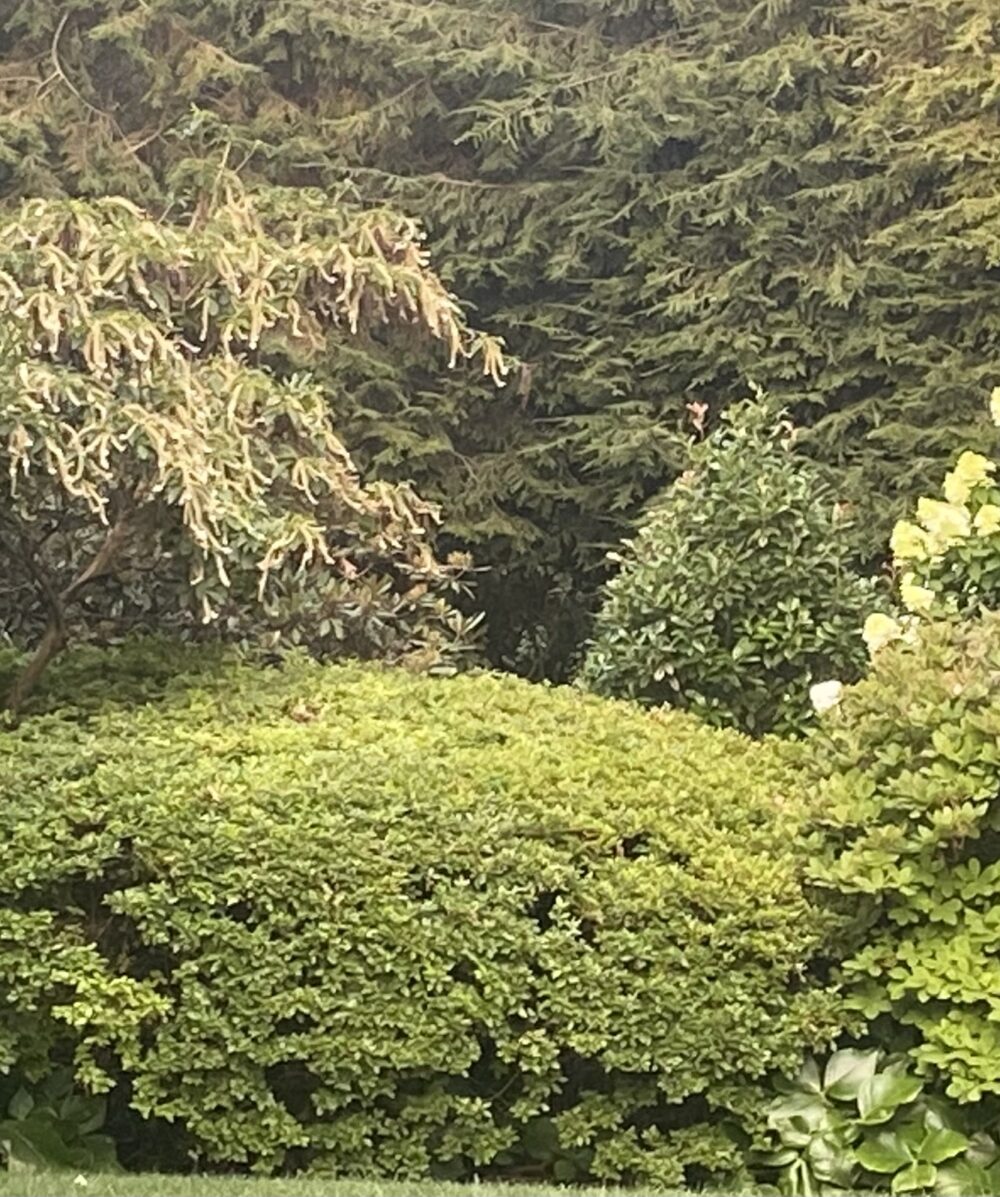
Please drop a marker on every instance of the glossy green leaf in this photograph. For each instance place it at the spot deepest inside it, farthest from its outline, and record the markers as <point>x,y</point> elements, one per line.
<point>914,1178</point>
<point>831,1160</point>
<point>941,1145</point>
<point>846,1070</point>
<point>884,1152</point>
<point>963,1179</point>
<point>880,1096</point>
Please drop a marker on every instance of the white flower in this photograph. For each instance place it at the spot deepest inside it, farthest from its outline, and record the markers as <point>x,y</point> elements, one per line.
<point>995,405</point>
<point>825,695</point>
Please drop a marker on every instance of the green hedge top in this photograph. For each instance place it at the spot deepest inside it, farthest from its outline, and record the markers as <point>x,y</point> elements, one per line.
<point>375,921</point>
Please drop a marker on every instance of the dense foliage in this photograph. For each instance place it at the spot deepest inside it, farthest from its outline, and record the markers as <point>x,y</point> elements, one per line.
<point>864,1124</point>
<point>908,769</point>
<point>653,202</point>
<point>292,914</point>
<point>739,590</point>
<point>152,452</point>
<point>52,1126</point>
<point>377,922</point>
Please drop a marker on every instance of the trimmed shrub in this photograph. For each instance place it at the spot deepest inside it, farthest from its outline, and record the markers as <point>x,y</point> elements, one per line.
<point>738,592</point>
<point>908,771</point>
<point>365,921</point>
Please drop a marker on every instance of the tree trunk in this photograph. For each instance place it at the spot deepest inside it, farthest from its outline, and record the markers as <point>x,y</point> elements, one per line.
<point>54,640</point>
<point>51,645</point>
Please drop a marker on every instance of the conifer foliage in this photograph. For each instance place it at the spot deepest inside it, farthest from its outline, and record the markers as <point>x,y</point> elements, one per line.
<point>654,202</point>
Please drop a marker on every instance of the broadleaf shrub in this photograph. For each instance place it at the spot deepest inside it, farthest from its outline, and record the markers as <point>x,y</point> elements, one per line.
<point>50,1125</point>
<point>907,769</point>
<point>863,1124</point>
<point>738,591</point>
<point>947,559</point>
<point>368,921</point>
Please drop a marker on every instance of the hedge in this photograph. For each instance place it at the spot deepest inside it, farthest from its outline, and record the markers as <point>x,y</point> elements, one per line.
<point>375,923</point>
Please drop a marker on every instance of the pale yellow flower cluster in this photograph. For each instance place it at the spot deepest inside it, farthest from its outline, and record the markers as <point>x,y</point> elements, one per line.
<point>916,598</point>
<point>880,630</point>
<point>946,524</point>
<point>908,541</point>
<point>939,526</point>
<point>942,524</point>
<point>970,470</point>
<point>987,520</point>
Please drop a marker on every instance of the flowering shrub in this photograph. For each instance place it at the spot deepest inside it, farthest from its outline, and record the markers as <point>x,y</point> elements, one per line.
<point>948,559</point>
<point>906,780</point>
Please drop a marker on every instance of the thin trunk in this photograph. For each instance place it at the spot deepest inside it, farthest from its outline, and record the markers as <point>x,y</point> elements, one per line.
<point>51,645</point>
<point>54,639</point>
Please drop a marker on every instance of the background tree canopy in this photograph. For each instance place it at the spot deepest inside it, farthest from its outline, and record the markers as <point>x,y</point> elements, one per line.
<point>655,202</point>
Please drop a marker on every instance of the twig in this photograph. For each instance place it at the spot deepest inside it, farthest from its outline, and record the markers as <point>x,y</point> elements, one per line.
<point>57,65</point>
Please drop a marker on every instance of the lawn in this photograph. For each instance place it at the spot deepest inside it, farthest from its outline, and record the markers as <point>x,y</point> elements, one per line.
<point>65,1184</point>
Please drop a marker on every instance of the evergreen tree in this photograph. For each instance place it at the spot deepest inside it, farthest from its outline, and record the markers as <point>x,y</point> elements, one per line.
<point>654,200</point>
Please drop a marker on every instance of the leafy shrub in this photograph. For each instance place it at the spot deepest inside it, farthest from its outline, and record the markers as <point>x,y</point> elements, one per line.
<point>864,1124</point>
<point>737,592</point>
<point>375,922</point>
<point>947,562</point>
<point>158,467</point>
<point>52,1125</point>
<point>908,772</point>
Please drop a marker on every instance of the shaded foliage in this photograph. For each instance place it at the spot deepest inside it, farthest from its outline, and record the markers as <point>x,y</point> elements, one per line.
<point>865,1124</point>
<point>654,202</point>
